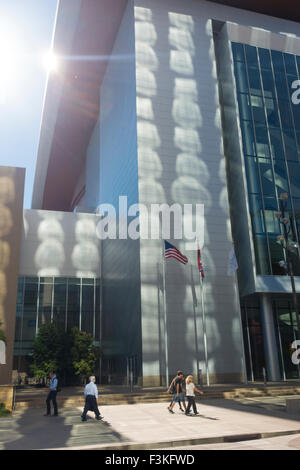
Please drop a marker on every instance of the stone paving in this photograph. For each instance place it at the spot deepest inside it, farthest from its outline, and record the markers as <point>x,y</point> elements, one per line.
<point>151,423</point>
<point>273,443</point>
<point>31,430</point>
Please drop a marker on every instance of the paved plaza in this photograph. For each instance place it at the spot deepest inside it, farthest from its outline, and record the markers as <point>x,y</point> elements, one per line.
<point>273,443</point>
<point>152,426</point>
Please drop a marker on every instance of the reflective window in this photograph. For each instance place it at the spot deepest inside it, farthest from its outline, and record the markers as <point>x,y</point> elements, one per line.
<point>281,179</point>
<point>87,309</point>
<point>277,60</point>
<point>285,333</point>
<point>267,178</point>
<point>272,113</point>
<point>252,174</point>
<point>59,301</point>
<point>268,84</point>
<point>285,114</point>
<point>251,56</point>
<point>261,254</point>
<point>281,86</point>
<point>73,318</point>
<point>277,149</point>
<point>254,82</point>
<point>258,109</point>
<point>19,310</point>
<point>66,301</point>
<point>245,106</point>
<point>270,126</point>
<point>290,145</point>
<point>264,58</point>
<point>97,311</point>
<point>238,52</point>
<point>296,116</point>
<point>290,64</point>
<point>45,301</point>
<point>241,77</point>
<point>256,212</point>
<point>248,138</point>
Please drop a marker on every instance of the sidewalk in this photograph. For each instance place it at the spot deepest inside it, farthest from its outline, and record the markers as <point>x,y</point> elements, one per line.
<point>148,426</point>
<point>273,443</point>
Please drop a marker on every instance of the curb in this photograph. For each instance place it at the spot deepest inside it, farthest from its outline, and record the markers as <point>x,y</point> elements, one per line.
<point>184,442</point>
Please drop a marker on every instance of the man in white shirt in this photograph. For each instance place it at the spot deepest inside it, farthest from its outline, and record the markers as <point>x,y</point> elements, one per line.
<point>91,395</point>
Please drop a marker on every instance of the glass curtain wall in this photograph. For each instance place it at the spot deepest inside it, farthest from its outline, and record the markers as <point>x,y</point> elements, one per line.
<point>253,338</point>
<point>286,332</point>
<point>66,301</point>
<point>270,126</point>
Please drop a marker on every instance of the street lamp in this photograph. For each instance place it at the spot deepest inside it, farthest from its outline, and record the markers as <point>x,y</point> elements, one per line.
<point>289,246</point>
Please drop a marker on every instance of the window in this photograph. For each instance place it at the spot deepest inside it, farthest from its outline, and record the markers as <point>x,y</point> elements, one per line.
<point>68,302</point>
<point>270,126</point>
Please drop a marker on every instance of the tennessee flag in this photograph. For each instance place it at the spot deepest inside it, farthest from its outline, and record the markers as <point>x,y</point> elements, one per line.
<point>200,267</point>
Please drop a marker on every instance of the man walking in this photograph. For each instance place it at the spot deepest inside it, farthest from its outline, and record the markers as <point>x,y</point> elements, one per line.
<point>178,396</point>
<point>91,396</point>
<point>172,389</point>
<point>52,395</point>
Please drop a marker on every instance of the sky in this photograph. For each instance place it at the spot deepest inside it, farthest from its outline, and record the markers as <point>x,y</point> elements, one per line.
<point>26,30</point>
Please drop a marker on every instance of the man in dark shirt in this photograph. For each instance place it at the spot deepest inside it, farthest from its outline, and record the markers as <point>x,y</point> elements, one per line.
<point>178,396</point>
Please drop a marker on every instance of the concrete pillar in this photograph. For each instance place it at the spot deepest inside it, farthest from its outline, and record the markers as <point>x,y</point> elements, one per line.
<point>269,335</point>
<point>11,218</point>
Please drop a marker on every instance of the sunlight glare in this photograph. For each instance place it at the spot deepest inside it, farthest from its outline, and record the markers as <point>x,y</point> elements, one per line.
<point>50,62</point>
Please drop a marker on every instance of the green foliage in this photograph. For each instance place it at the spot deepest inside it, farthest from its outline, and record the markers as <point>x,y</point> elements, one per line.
<point>2,335</point>
<point>67,354</point>
<point>3,411</point>
<point>84,354</point>
<point>51,352</point>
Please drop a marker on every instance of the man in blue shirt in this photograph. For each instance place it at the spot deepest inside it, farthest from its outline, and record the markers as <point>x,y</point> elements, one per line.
<point>91,395</point>
<point>52,395</point>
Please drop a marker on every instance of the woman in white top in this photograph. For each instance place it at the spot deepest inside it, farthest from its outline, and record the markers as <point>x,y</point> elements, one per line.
<point>190,394</point>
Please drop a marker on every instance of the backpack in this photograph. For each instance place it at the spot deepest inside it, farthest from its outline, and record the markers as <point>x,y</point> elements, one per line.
<point>173,387</point>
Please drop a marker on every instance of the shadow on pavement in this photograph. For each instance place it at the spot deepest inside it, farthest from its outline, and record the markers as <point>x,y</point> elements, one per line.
<point>258,407</point>
<point>31,430</point>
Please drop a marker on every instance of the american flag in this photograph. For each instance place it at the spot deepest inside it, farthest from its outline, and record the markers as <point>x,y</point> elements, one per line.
<point>200,267</point>
<point>172,252</point>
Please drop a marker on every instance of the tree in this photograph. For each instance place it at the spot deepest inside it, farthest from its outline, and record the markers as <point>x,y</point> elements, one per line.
<point>66,353</point>
<point>84,353</point>
<point>51,351</point>
<point>2,335</point>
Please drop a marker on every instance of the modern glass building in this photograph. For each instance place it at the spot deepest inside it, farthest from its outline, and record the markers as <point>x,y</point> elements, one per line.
<point>270,125</point>
<point>262,149</point>
<point>168,102</point>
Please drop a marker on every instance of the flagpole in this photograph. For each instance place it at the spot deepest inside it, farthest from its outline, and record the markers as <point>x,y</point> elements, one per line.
<point>165,316</point>
<point>204,329</point>
<point>195,323</point>
<point>242,334</point>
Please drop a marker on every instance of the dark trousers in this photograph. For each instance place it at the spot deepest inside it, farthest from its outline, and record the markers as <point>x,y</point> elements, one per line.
<point>191,402</point>
<point>90,405</point>
<point>51,397</point>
